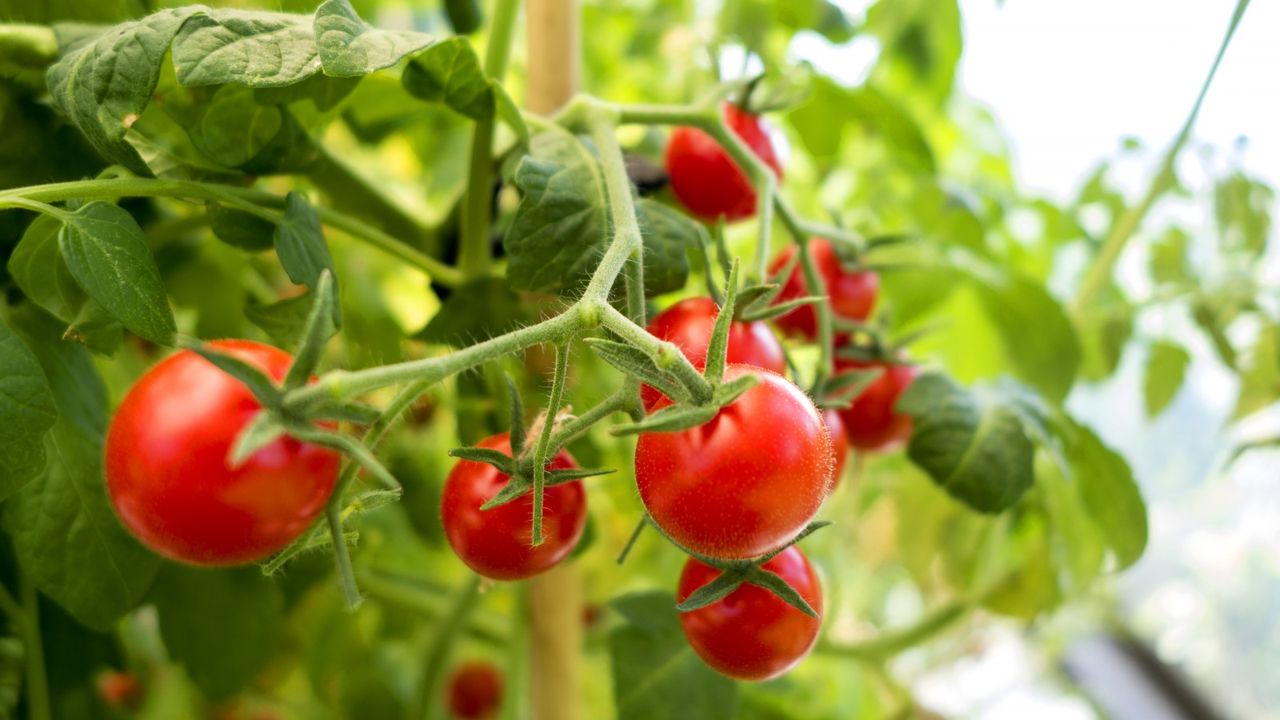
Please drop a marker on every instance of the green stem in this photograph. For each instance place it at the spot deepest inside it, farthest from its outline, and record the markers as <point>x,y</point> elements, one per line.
<point>514,705</point>
<point>622,209</point>
<point>38,707</point>
<point>262,204</point>
<point>668,356</point>
<point>429,705</point>
<point>1099,273</point>
<point>34,206</point>
<point>887,645</point>
<point>29,47</point>
<point>342,554</point>
<point>818,286</point>
<point>540,452</point>
<point>475,253</point>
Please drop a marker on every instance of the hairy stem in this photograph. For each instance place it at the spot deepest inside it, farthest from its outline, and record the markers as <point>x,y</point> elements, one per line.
<point>342,554</point>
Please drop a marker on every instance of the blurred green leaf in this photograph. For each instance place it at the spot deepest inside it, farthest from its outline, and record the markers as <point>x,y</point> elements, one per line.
<point>1169,263</point>
<point>449,72</point>
<point>1242,209</point>
<point>1260,373</point>
<point>1166,367</point>
<point>27,412</point>
<point>668,237</point>
<point>479,310</point>
<point>239,228</point>
<point>1107,486</point>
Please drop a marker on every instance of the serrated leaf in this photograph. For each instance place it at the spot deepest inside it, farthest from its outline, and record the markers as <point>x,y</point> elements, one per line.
<point>104,83</point>
<point>973,447</point>
<point>27,412</point>
<point>65,535</point>
<point>349,46</point>
<point>245,47</point>
<point>449,72</point>
<point>108,256</point>
<point>1166,367</point>
<point>634,362</point>
<point>282,321</point>
<point>239,228</point>
<point>714,591</point>
<point>655,672</point>
<point>220,625</point>
<point>670,419</point>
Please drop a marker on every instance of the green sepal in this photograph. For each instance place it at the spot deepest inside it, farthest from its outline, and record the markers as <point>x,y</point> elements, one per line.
<point>718,346</point>
<point>713,591</point>
<point>263,430</point>
<point>500,460</point>
<point>258,383</point>
<point>728,393</point>
<point>636,363</point>
<point>319,328</point>
<point>774,583</point>
<point>670,419</point>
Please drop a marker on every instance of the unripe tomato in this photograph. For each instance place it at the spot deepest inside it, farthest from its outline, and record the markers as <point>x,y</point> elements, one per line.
<point>839,443</point>
<point>851,293</point>
<point>703,176</point>
<point>752,634</point>
<point>871,423</point>
<point>498,543</point>
<point>688,324</point>
<point>475,691</point>
<point>119,690</point>
<point>746,481</point>
<point>168,474</point>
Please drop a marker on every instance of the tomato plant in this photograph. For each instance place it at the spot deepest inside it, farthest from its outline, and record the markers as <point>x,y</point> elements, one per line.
<point>308,311</point>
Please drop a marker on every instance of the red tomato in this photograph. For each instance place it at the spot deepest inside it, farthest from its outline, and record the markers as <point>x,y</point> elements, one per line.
<point>839,443</point>
<point>703,176</point>
<point>475,690</point>
<point>752,634</point>
<point>167,471</point>
<point>497,543</point>
<point>871,423</point>
<point>119,689</point>
<point>746,481</point>
<point>688,324</point>
<point>851,293</point>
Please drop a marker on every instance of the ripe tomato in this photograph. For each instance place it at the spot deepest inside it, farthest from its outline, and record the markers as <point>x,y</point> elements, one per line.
<point>497,543</point>
<point>475,690</point>
<point>703,176</point>
<point>839,443</point>
<point>119,690</point>
<point>851,293</point>
<point>167,471</point>
<point>752,634</point>
<point>746,481</point>
<point>870,422</point>
<point>688,324</point>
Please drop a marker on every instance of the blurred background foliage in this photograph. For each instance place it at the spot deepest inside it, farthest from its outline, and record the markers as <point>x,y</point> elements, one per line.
<point>993,273</point>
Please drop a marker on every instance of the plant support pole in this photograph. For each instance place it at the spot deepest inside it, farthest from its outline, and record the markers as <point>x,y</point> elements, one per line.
<point>555,597</point>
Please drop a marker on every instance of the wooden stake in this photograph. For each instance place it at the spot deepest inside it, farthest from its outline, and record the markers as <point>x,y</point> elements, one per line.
<point>555,598</point>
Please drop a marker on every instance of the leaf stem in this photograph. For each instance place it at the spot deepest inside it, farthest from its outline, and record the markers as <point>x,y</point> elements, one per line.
<point>541,450</point>
<point>885,646</point>
<point>38,707</point>
<point>1100,272</point>
<point>342,554</point>
<point>429,705</point>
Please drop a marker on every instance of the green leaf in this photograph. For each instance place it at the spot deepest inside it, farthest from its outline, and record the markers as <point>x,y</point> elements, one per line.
<point>323,91</point>
<point>282,321</point>
<point>655,672</point>
<point>449,72</point>
<point>478,310</point>
<point>65,535</point>
<point>108,255</point>
<point>1104,331</point>
<point>824,121</point>
<point>972,446</point>
<point>104,84</point>
<point>1260,373</point>
<point>300,243</point>
<point>244,47</point>
<point>239,228</point>
<point>1166,367</point>
<point>668,236</point>
<point>560,227</point>
<point>231,128</point>
<point>1242,208</point>
<point>27,412</point>
<point>349,46</point>
<point>221,625</point>
<point>1106,484</point>
<point>1168,264</point>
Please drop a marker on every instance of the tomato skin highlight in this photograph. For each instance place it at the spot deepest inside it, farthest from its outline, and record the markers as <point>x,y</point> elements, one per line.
<point>689,323</point>
<point>475,690</point>
<point>839,443</point>
<point>851,293</point>
<point>752,634</point>
<point>703,176</point>
<point>870,422</point>
<point>745,482</point>
<point>167,471</point>
<point>497,543</point>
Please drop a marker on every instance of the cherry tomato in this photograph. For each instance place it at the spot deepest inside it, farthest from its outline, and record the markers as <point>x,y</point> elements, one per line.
<point>839,443</point>
<point>752,634</point>
<point>167,470</point>
<point>475,690</point>
<point>688,324</point>
<point>498,543</point>
<point>119,689</point>
<point>851,293</point>
<point>744,482</point>
<point>703,176</point>
<point>871,423</point>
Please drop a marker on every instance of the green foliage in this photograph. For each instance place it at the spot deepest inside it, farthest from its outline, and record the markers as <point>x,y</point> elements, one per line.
<point>26,403</point>
<point>1166,368</point>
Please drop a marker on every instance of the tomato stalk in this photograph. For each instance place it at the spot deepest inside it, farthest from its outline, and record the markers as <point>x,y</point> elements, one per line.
<point>429,701</point>
<point>38,707</point>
